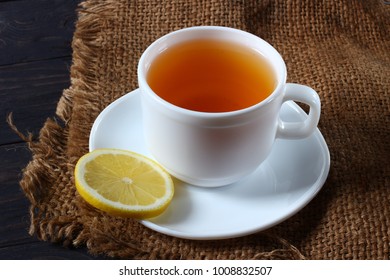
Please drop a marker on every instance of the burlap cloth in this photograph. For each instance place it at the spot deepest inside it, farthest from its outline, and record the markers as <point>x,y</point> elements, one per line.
<point>340,48</point>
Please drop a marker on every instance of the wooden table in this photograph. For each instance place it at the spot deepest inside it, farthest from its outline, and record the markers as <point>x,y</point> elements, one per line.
<point>35,60</point>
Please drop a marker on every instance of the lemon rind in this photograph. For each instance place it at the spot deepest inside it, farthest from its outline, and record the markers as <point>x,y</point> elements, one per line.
<point>117,208</point>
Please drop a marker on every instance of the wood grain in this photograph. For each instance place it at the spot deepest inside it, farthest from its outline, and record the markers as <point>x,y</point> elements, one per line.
<point>36,30</point>
<point>35,59</point>
<point>30,91</point>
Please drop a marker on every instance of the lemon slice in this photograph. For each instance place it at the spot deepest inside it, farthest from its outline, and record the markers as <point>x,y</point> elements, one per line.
<point>123,183</point>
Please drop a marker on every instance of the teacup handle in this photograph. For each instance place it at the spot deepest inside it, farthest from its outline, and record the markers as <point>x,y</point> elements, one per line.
<point>297,130</point>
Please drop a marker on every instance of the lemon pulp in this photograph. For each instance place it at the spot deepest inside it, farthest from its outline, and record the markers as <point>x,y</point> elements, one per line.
<point>123,183</point>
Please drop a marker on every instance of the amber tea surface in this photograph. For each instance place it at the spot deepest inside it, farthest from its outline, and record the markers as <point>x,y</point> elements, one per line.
<point>211,76</point>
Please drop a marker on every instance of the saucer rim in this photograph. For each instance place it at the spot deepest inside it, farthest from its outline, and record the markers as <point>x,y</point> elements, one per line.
<point>299,204</point>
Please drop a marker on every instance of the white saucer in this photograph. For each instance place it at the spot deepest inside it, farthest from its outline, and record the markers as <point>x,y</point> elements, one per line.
<point>290,177</point>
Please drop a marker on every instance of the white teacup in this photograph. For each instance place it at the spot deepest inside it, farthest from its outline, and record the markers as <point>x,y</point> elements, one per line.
<point>215,149</point>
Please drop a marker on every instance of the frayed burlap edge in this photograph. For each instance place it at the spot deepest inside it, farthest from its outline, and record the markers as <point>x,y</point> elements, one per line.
<point>41,173</point>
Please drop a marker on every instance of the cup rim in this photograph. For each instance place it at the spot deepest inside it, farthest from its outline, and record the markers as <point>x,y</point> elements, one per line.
<point>141,72</point>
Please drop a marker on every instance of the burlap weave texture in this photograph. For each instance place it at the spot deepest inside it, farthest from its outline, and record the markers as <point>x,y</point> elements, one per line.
<point>340,48</point>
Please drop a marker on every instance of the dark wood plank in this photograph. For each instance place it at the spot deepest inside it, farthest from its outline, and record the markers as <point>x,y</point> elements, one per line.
<point>44,251</point>
<point>30,91</point>
<point>36,30</point>
<point>14,218</point>
<point>35,58</point>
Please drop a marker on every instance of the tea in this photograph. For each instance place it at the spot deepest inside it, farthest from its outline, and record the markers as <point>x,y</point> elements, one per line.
<point>211,76</point>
